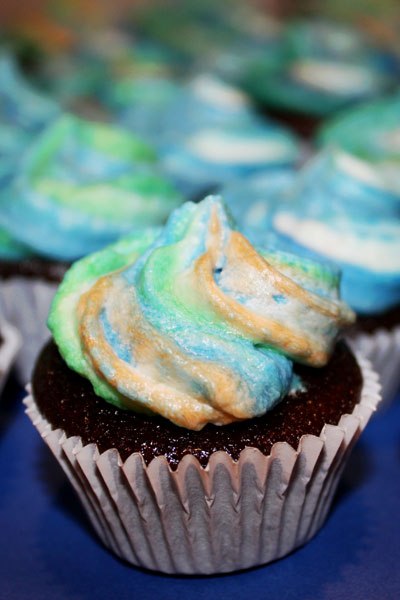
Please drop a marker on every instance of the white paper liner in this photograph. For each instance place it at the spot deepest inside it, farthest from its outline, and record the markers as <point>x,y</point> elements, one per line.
<point>225,517</point>
<point>25,303</point>
<point>382,349</point>
<point>9,346</point>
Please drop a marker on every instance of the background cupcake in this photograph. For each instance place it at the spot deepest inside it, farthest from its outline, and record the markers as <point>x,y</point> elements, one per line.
<point>323,67</point>
<point>343,208</point>
<point>79,186</point>
<point>23,113</point>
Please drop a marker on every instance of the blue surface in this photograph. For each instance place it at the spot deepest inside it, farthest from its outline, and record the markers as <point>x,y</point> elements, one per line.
<point>48,550</point>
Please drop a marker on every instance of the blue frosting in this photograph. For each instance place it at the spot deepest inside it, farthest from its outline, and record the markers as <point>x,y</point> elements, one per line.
<point>253,200</point>
<point>338,209</point>
<point>322,67</point>
<point>81,186</point>
<point>215,155</point>
<point>176,118</point>
<point>23,112</point>
<point>370,131</point>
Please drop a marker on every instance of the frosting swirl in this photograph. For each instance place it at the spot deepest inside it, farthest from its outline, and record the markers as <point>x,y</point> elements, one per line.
<point>340,208</point>
<point>82,185</point>
<point>322,66</point>
<point>371,133</point>
<point>201,327</point>
<point>23,112</point>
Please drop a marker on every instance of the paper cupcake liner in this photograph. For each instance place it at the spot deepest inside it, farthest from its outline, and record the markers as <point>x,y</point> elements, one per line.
<point>228,516</point>
<point>382,349</point>
<point>9,345</point>
<point>25,303</point>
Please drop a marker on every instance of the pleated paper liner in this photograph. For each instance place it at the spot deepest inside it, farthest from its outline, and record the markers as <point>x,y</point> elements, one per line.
<point>382,349</point>
<point>9,345</point>
<point>228,516</point>
<point>25,303</point>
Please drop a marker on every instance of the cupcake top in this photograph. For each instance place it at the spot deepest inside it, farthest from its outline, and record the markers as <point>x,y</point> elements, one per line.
<point>342,209</point>
<point>372,133</point>
<point>23,112</point>
<point>206,100</point>
<point>193,323</point>
<point>217,153</point>
<point>253,200</point>
<point>82,185</point>
<point>206,130</point>
<point>323,66</point>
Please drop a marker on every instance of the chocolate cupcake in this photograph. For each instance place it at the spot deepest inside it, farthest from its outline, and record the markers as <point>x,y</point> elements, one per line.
<point>173,403</point>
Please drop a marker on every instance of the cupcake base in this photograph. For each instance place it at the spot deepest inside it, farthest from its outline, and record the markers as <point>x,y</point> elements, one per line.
<point>228,516</point>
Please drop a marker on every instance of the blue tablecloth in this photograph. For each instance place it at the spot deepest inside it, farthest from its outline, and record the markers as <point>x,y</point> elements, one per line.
<point>48,550</point>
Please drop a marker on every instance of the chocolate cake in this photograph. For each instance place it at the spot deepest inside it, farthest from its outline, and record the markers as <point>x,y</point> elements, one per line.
<point>33,268</point>
<point>68,401</point>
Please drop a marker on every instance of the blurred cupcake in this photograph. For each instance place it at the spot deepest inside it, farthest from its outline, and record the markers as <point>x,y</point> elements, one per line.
<point>204,160</point>
<point>347,210</point>
<point>211,134</point>
<point>372,133</point>
<point>323,67</point>
<point>253,201</point>
<point>23,113</point>
<point>78,187</point>
<point>193,422</point>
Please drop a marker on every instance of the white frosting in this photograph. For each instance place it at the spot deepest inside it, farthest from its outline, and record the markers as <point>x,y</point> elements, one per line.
<point>217,93</point>
<point>384,175</point>
<point>334,77</point>
<point>378,254</point>
<point>223,148</point>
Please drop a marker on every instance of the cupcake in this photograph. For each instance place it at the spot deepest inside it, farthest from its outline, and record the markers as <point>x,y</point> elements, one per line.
<point>78,187</point>
<point>323,67</point>
<point>213,135</point>
<point>346,209</point>
<point>206,131</point>
<point>203,415</point>
<point>23,113</point>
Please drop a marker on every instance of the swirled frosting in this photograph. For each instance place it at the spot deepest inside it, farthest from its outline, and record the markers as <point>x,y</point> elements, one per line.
<point>341,208</point>
<point>200,327</point>
<point>82,185</point>
<point>253,200</point>
<point>23,112</point>
<point>372,133</point>
<point>323,66</point>
<point>216,154</point>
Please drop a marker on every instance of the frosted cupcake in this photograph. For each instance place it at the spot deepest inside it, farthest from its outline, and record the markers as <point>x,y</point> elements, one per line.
<point>323,67</point>
<point>345,209</point>
<point>253,201</point>
<point>78,187</point>
<point>23,113</point>
<point>197,445</point>
<point>220,138</point>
